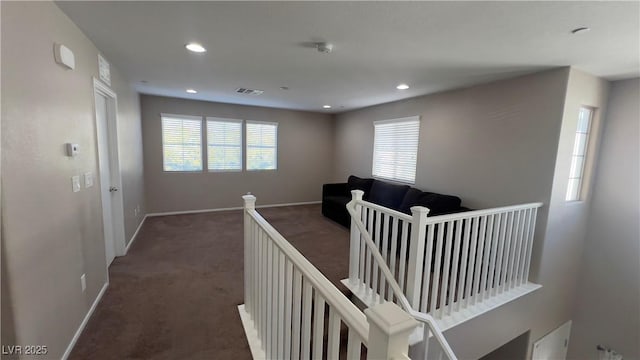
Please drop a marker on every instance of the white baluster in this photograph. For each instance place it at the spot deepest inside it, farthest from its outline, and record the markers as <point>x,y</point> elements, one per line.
<point>306,319</point>
<point>472,258</point>
<point>456,266</point>
<point>281,302</point>
<point>385,255</point>
<point>463,264</point>
<point>426,287</point>
<point>446,270</point>
<point>479,254</point>
<point>394,251</point>
<point>287,309</point>
<point>403,254</point>
<point>333,346</point>
<point>376,239</point>
<point>318,326</point>
<point>297,308</point>
<point>435,287</point>
<point>507,253</point>
<point>354,345</point>
<point>485,262</point>
<point>494,254</point>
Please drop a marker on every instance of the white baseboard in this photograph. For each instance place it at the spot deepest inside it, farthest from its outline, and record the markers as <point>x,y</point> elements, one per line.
<point>135,235</point>
<point>76,336</point>
<point>228,209</point>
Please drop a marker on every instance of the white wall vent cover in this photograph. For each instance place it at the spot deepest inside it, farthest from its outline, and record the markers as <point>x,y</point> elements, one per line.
<point>249,91</point>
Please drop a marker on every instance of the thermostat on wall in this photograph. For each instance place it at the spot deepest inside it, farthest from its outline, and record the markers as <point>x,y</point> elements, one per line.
<point>72,149</point>
<point>64,56</point>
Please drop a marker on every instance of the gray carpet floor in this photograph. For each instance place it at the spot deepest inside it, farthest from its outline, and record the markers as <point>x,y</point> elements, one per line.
<point>175,294</point>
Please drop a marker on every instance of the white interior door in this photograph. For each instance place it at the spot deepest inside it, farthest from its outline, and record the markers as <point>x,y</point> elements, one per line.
<point>554,345</point>
<point>106,188</point>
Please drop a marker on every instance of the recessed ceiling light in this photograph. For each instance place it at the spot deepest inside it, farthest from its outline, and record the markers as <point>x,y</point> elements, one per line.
<point>284,88</point>
<point>402,87</point>
<point>326,106</point>
<point>580,30</point>
<point>195,47</point>
<point>192,91</point>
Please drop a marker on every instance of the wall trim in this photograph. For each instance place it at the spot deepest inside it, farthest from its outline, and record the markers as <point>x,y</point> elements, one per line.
<point>186,212</point>
<point>135,235</point>
<point>76,336</point>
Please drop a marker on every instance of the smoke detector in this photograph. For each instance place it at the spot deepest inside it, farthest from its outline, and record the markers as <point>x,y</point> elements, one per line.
<point>324,47</point>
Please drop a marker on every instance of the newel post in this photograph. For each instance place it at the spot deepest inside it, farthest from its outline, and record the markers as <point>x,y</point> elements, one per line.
<point>354,253</point>
<point>415,268</point>
<point>389,330</point>
<point>249,245</point>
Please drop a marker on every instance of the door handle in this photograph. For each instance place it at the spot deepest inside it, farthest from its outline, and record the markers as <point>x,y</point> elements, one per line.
<point>113,189</point>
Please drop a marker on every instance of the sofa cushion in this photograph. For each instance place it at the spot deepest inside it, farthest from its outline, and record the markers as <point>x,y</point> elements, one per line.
<point>410,198</point>
<point>356,183</point>
<point>438,204</point>
<point>387,195</point>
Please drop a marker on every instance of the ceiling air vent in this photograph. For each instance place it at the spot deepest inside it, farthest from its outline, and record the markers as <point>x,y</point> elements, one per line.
<point>249,91</point>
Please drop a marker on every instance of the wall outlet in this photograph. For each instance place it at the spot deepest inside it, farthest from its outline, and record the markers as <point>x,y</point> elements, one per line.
<point>83,282</point>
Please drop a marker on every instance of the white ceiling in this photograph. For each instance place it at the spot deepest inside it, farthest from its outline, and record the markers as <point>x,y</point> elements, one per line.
<point>432,46</point>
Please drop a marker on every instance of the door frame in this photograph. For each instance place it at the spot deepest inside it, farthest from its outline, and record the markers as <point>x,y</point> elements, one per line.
<point>117,204</point>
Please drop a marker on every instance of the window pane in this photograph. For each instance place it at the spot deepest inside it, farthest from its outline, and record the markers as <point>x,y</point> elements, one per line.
<point>262,146</point>
<point>577,164</point>
<point>572,190</point>
<point>580,146</point>
<point>224,144</point>
<point>584,119</point>
<point>181,143</point>
<point>395,149</point>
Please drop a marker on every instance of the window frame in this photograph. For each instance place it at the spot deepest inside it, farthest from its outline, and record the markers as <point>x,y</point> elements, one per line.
<point>183,117</point>
<point>580,193</point>
<point>246,144</point>
<point>206,143</point>
<point>408,119</point>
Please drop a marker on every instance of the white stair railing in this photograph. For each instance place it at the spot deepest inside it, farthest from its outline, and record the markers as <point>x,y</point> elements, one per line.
<point>435,345</point>
<point>287,298</point>
<point>443,264</point>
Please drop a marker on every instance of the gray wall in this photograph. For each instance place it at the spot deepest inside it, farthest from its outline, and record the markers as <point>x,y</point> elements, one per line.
<point>50,235</point>
<point>559,266</point>
<point>607,303</point>
<point>488,144</point>
<point>305,154</point>
<point>493,144</point>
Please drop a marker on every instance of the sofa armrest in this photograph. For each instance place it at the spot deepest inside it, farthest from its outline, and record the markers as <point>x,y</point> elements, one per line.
<point>338,189</point>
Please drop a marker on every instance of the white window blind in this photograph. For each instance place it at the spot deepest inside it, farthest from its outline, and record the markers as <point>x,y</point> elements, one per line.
<point>262,145</point>
<point>395,149</point>
<point>181,143</point>
<point>578,158</point>
<point>224,144</point>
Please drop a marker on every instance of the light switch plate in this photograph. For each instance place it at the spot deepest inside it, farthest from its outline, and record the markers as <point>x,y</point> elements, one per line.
<point>88,180</point>
<point>83,282</point>
<point>75,183</point>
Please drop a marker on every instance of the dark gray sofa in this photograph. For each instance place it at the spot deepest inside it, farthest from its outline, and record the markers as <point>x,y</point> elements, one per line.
<point>398,197</point>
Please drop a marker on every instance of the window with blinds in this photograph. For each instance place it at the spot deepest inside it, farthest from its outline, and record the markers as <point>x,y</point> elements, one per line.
<point>224,144</point>
<point>579,155</point>
<point>181,143</point>
<point>395,149</point>
<point>262,145</point>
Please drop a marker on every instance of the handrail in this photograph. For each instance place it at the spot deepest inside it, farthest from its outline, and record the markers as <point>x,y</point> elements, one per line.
<point>351,315</point>
<point>404,302</point>
<point>482,212</point>
<point>383,209</point>
<point>435,330</point>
